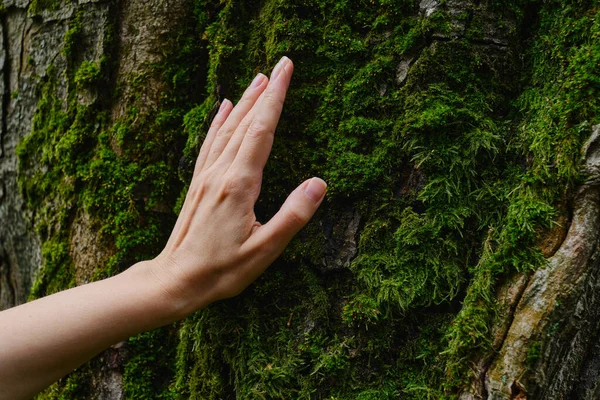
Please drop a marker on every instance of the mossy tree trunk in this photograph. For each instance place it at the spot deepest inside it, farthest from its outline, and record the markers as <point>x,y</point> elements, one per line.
<point>456,255</point>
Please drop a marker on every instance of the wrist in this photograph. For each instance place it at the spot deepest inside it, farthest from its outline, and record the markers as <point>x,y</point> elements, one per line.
<point>168,289</point>
<point>161,292</point>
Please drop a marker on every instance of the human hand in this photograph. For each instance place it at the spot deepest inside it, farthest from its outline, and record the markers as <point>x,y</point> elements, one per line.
<point>217,247</point>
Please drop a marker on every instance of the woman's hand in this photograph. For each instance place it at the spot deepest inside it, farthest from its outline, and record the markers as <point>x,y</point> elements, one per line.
<point>217,247</point>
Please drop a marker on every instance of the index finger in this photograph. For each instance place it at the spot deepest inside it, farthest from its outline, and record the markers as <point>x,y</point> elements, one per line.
<point>258,140</point>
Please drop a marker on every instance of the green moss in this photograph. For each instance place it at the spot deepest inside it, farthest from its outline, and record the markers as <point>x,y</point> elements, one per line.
<point>148,371</point>
<point>486,195</point>
<point>534,354</point>
<point>454,173</point>
<point>552,126</point>
<point>57,273</point>
<point>75,385</point>
<point>361,311</point>
<point>36,7</point>
<point>73,35</point>
<point>88,73</point>
<point>70,164</point>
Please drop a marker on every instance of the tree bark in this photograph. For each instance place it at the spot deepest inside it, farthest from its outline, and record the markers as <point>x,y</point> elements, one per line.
<point>456,255</point>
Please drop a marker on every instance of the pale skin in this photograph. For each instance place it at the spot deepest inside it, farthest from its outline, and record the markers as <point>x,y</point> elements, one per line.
<point>217,248</point>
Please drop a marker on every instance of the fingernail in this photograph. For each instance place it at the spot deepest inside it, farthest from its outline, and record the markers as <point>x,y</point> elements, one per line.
<point>258,79</point>
<point>315,190</point>
<point>222,107</point>
<point>279,67</point>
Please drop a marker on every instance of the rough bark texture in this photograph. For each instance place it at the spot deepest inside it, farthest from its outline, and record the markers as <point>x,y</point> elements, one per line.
<point>456,255</point>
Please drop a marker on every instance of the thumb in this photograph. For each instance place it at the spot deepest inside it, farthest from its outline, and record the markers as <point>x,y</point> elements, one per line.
<point>296,211</point>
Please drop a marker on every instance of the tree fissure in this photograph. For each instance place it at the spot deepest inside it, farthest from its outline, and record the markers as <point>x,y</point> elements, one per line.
<point>5,71</point>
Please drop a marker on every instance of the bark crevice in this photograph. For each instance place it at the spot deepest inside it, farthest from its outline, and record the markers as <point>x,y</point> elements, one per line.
<point>5,71</point>
<point>555,314</point>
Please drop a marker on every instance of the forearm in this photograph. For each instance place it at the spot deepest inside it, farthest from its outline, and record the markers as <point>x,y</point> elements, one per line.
<point>43,340</point>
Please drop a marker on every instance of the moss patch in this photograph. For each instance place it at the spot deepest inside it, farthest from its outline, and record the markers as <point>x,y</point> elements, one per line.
<point>455,172</point>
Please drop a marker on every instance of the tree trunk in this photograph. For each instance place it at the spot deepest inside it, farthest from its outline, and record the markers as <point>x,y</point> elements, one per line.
<point>456,254</point>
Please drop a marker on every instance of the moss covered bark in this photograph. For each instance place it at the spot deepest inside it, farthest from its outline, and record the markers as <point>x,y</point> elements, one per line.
<point>450,136</point>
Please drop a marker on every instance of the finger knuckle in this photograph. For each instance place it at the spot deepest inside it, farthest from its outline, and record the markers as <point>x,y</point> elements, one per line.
<point>247,181</point>
<point>260,128</point>
<point>245,124</point>
<point>274,100</point>
<point>296,218</point>
<point>197,189</point>
<point>224,132</point>
<point>239,184</point>
<point>248,99</point>
<point>229,187</point>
